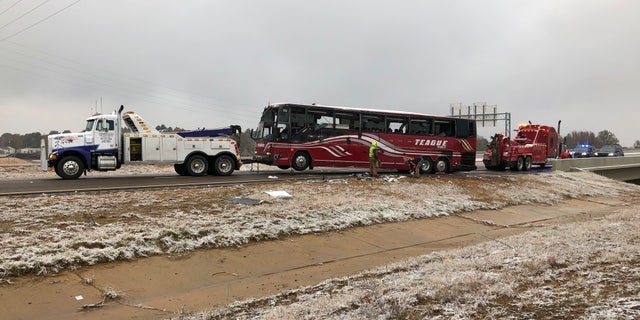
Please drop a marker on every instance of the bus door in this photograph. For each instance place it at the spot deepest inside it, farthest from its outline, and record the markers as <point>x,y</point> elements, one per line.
<point>282,136</point>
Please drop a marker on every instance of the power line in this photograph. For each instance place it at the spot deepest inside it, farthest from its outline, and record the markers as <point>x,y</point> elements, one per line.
<point>24,14</point>
<point>123,87</point>
<point>154,101</point>
<point>79,78</point>
<point>139,87</point>
<point>11,6</point>
<point>37,23</point>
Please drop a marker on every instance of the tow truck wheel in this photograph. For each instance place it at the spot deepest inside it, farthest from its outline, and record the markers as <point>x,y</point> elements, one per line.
<point>180,169</point>
<point>70,167</point>
<point>527,164</point>
<point>520,164</point>
<point>197,166</point>
<point>300,161</point>
<point>442,165</point>
<point>223,166</point>
<point>427,165</point>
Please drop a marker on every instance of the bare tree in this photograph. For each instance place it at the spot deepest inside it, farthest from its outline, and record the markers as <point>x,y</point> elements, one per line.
<point>575,138</point>
<point>481,143</point>
<point>606,137</point>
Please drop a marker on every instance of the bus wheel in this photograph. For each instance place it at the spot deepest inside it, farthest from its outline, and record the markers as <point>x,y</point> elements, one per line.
<point>70,167</point>
<point>520,164</point>
<point>223,165</point>
<point>527,164</point>
<point>180,169</point>
<point>197,165</point>
<point>300,161</point>
<point>441,165</point>
<point>427,165</point>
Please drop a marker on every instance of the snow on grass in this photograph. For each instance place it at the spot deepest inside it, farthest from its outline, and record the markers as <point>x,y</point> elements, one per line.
<point>48,233</point>
<point>583,270</point>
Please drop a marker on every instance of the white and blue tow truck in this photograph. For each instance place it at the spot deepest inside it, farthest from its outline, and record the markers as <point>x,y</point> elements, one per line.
<point>111,140</point>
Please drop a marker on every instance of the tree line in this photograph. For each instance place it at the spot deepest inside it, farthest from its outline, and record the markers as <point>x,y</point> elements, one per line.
<point>19,141</point>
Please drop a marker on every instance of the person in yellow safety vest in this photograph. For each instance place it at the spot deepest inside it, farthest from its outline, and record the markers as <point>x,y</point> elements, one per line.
<point>373,159</point>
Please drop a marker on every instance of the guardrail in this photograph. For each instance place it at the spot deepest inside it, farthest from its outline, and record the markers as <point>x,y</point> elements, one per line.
<point>625,168</point>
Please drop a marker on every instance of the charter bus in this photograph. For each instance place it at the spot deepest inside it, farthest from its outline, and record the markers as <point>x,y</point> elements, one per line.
<point>302,136</point>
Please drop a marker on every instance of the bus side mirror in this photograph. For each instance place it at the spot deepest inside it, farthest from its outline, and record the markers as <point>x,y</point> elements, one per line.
<point>348,140</point>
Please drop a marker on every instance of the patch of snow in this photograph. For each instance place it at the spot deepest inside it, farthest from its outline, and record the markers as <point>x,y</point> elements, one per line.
<point>535,279</point>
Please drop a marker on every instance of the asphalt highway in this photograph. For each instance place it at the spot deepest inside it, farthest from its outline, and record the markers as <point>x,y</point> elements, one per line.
<point>97,182</point>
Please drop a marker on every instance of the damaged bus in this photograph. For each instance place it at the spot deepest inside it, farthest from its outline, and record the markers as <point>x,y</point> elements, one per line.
<point>302,136</point>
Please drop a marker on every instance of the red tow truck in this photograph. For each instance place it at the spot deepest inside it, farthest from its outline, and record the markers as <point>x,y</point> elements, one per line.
<point>533,145</point>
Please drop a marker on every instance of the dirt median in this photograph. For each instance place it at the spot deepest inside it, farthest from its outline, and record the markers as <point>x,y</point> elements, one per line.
<point>166,286</point>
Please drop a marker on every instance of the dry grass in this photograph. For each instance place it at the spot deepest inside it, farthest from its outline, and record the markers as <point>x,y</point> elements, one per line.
<point>44,234</point>
<point>542,277</point>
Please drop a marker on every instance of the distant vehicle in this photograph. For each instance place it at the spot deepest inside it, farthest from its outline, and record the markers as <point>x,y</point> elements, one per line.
<point>610,150</point>
<point>584,151</point>
<point>566,154</point>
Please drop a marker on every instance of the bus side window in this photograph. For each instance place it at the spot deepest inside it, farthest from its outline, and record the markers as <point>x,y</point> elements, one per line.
<point>373,123</point>
<point>349,121</point>
<point>465,128</point>
<point>396,125</point>
<point>420,126</point>
<point>444,128</point>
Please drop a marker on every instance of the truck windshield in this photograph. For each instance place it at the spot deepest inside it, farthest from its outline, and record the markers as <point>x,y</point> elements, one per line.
<point>89,125</point>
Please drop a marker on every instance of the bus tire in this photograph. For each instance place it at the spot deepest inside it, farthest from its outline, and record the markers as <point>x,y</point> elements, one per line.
<point>197,165</point>
<point>427,165</point>
<point>70,167</point>
<point>527,164</point>
<point>301,161</point>
<point>441,165</point>
<point>223,165</point>
<point>180,169</point>
<point>520,164</point>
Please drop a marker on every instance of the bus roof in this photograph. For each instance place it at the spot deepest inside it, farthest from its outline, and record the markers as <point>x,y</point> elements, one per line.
<point>399,113</point>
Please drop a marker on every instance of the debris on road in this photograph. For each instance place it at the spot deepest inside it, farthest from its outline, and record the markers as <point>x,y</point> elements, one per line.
<point>280,194</point>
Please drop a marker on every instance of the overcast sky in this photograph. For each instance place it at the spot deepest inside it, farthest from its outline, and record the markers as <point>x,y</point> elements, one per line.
<point>214,63</point>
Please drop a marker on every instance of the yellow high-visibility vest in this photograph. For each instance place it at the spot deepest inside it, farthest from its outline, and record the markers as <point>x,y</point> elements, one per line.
<point>372,149</point>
